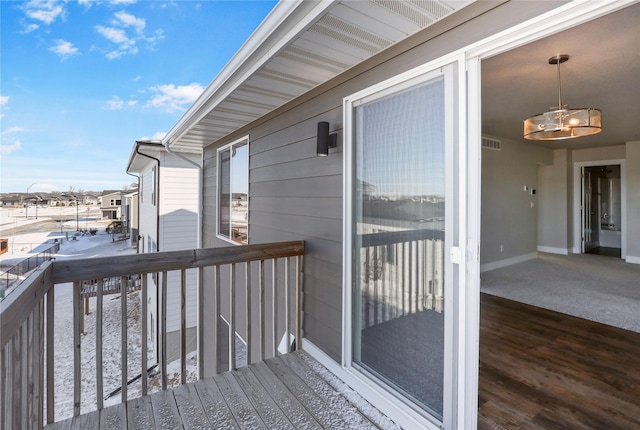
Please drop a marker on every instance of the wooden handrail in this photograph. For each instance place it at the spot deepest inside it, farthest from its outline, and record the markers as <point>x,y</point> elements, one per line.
<point>126,265</point>
<point>17,306</point>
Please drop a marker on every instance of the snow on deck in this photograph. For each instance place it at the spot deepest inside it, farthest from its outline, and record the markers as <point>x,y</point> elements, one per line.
<point>289,391</point>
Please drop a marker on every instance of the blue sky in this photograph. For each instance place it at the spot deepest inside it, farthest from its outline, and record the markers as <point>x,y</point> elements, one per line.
<point>80,81</point>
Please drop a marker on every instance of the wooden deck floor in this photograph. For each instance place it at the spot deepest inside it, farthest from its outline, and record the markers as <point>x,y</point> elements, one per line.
<point>286,392</point>
<point>541,369</point>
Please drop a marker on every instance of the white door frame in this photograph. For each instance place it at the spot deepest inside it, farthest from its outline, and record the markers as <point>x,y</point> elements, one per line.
<point>577,202</point>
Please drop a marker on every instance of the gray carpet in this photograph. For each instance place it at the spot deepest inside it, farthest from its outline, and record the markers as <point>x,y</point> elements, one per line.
<point>598,288</point>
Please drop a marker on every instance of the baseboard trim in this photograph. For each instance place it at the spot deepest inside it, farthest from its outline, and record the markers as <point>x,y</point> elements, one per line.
<point>632,259</point>
<point>552,250</point>
<point>508,262</point>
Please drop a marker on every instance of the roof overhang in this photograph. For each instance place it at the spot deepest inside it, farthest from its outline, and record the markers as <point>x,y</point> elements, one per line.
<point>300,45</point>
<point>143,153</point>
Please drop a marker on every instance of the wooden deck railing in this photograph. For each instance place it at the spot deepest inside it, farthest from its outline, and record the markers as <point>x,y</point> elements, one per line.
<point>27,318</point>
<point>402,272</point>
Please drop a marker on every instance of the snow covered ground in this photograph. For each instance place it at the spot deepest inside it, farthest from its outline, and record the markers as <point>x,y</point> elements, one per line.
<point>101,244</point>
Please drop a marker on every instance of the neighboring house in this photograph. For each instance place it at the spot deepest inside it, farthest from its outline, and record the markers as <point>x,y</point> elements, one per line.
<point>393,217</point>
<point>12,200</point>
<point>130,216</point>
<point>168,201</point>
<point>111,204</point>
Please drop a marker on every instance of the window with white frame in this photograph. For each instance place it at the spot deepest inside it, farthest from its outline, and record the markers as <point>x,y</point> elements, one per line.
<point>233,191</point>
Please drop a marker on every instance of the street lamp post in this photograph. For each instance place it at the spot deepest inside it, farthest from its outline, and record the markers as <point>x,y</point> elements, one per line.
<point>26,204</point>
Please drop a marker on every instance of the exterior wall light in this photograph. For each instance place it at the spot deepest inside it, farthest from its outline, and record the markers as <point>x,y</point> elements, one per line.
<point>326,140</point>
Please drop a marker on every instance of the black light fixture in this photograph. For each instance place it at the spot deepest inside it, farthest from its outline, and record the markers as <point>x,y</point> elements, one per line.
<point>326,140</point>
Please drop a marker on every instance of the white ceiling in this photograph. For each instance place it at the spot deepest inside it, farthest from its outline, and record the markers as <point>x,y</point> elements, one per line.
<point>603,72</point>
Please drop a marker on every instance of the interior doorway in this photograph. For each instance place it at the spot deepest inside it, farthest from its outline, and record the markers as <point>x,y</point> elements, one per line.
<point>602,210</point>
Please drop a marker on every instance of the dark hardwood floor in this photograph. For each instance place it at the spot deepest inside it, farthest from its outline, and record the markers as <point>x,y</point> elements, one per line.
<point>540,369</point>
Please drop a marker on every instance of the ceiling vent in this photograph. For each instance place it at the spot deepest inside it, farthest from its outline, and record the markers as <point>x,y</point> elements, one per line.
<point>490,143</point>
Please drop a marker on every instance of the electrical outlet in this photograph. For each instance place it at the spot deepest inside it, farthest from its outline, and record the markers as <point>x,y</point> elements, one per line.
<point>526,188</point>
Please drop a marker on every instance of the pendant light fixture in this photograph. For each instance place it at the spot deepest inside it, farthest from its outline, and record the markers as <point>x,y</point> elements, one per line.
<point>560,122</point>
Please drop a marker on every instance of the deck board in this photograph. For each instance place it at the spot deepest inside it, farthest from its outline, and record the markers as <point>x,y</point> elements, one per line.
<point>271,414</point>
<point>190,408</point>
<point>308,398</point>
<point>264,395</point>
<point>140,414</point>
<point>113,417</point>
<point>298,415</point>
<point>165,411</point>
<point>239,404</point>
<point>215,406</point>
<point>353,415</point>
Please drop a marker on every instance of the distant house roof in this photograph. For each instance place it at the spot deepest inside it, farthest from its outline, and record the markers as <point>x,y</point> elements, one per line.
<point>298,46</point>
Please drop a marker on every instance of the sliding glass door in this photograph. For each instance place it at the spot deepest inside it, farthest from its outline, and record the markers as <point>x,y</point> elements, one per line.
<point>398,224</point>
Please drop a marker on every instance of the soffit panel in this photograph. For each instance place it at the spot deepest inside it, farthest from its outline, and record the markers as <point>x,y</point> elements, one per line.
<point>345,35</point>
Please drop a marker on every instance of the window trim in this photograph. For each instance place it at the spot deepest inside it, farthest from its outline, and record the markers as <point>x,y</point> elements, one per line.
<point>238,142</point>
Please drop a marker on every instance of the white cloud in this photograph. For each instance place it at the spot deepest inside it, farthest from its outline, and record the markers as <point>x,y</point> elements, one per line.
<point>125,19</point>
<point>8,149</point>
<point>45,11</point>
<point>126,30</point>
<point>122,1</point>
<point>115,103</point>
<point>175,97</point>
<point>28,28</point>
<point>114,35</point>
<point>12,130</point>
<point>158,135</point>
<point>64,49</point>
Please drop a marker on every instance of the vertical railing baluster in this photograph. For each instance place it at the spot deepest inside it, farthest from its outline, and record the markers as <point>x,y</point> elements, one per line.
<point>247,286</point>
<point>25,367</point>
<point>200,333</point>
<point>232,317</point>
<point>216,307</point>
<point>77,381</point>
<point>39,383</point>
<point>123,322</point>
<point>99,380</point>
<point>298,339</point>
<point>183,326</point>
<point>49,360</point>
<point>163,347</point>
<point>286,305</point>
<point>262,309</point>
<point>274,304</point>
<point>145,329</point>
<point>403,278</point>
<point>18,364</point>
<point>367,293</point>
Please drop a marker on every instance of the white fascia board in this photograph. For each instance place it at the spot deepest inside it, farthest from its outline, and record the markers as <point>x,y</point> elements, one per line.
<point>290,17</point>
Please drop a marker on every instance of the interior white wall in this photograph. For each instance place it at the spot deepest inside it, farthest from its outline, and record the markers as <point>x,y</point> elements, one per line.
<point>509,213</point>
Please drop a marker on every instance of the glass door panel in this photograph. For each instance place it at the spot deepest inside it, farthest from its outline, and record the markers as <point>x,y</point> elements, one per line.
<point>398,231</point>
